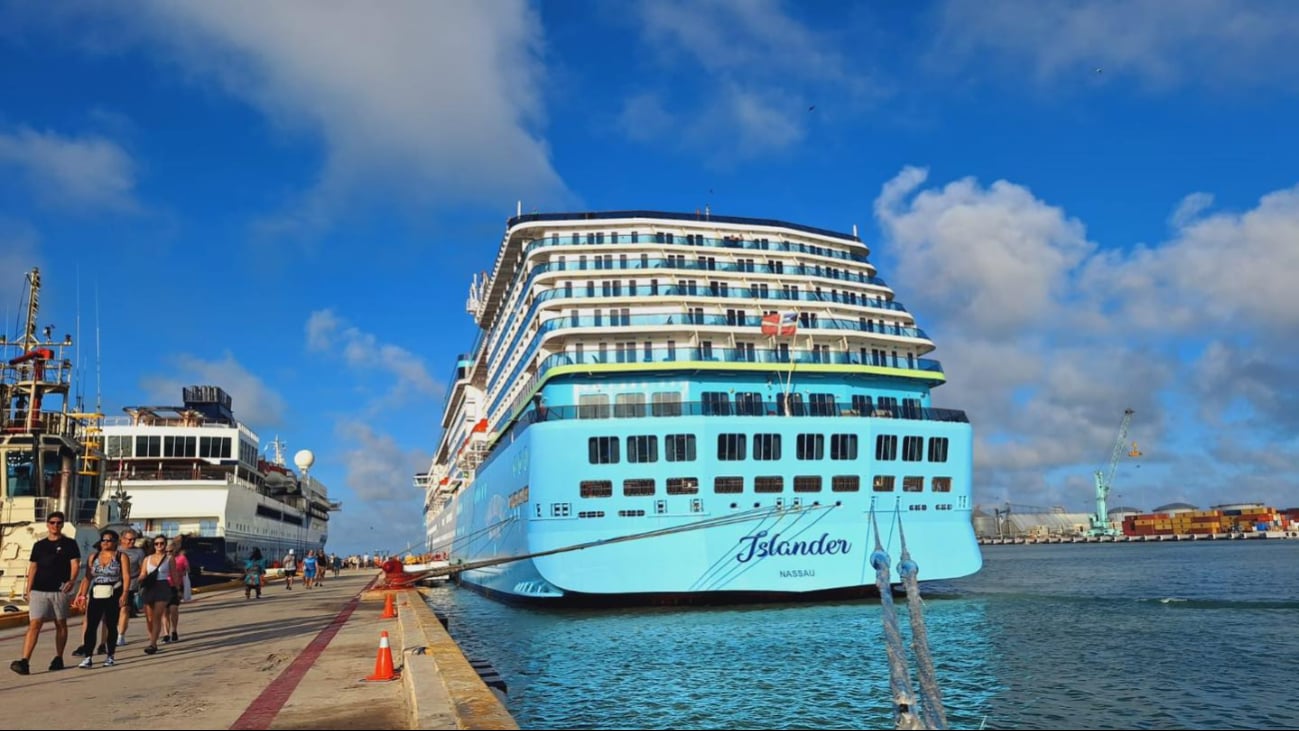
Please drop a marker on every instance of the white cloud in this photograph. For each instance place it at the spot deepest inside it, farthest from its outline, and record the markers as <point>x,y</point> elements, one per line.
<point>1216,43</point>
<point>377,468</point>
<point>994,258</point>
<point>81,174</point>
<point>431,102</point>
<point>362,350</point>
<point>1047,337</point>
<point>751,72</point>
<point>1189,208</point>
<point>254,403</point>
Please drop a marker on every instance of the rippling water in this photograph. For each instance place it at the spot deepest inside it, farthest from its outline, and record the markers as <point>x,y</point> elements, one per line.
<point>1202,635</point>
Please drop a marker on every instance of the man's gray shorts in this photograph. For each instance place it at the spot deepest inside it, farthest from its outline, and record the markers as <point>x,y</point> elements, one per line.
<point>48,605</point>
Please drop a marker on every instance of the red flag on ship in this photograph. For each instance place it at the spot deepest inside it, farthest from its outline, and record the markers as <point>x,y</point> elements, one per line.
<point>780,323</point>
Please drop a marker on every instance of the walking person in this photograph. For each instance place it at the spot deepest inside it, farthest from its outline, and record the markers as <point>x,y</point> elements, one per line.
<point>135,554</point>
<point>55,561</point>
<point>179,579</point>
<point>156,571</point>
<point>290,564</point>
<point>254,569</point>
<point>310,566</point>
<point>103,593</point>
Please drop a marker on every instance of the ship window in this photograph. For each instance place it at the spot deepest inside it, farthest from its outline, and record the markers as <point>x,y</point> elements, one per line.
<point>886,447</point>
<point>862,404</point>
<point>822,404</point>
<point>792,403</point>
<point>602,450</point>
<point>883,483</point>
<point>679,447</point>
<point>913,483</point>
<point>597,488</point>
<point>591,514</point>
<point>18,470</point>
<point>638,487</point>
<point>843,446</point>
<point>728,485</point>
<point>938,449</point>
<point>120,447</point>
<point>148,446</point>
<point>913,449</point>
<point>887,404</point>
<point>769,483</point>
<point>730,447</point>
<point>178,446</point>
<point>593,406</point>
<point>807,483</point>
<point>577,240</point>
<point>845,483</point>
<point>643,448</point>
<point>716,403</point>
<point>683,485</point>
<point>942,484</point>
<point>635,237</point>
<point>911,406</point>
<point>628,405</point>
<point>766,447</point>
<point>811,446</point>
<point>748,403</point>
<point>665,403</point>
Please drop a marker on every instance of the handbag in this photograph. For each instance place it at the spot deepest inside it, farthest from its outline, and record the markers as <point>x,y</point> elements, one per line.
<point>150,580</point>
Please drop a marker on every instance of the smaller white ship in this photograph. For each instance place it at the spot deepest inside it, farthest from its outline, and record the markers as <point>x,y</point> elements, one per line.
<point>196,471</point>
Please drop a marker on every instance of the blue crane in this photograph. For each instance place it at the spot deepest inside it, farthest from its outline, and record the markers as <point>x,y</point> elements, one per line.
<point>1105,480</point>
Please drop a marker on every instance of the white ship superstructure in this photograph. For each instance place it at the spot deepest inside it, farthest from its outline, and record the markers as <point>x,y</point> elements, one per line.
<point>195,470</point>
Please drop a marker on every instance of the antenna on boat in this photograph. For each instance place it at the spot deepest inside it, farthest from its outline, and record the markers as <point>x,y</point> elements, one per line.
<point>518,207</point>
<point>854,231</point>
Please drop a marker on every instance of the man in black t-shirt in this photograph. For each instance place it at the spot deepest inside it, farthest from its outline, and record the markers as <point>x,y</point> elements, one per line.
<point>55,563</point>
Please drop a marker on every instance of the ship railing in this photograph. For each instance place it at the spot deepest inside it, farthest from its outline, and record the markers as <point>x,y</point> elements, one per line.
<point>861,323</point>
<point>731,242</point>
<point>738,408</point>
<point>783,355</point>
<point>45,422</point>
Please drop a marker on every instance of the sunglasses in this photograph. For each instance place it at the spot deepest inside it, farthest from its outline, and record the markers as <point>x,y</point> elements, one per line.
<point>54,522</point>
<point>164,545</point>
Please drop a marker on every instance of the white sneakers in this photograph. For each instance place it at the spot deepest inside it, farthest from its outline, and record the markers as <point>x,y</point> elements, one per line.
<point>109,661</point>
<point>87,664</point>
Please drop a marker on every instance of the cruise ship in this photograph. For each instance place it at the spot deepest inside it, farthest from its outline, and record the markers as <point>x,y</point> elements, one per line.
<point>689,408</point>
<point>196,471</point>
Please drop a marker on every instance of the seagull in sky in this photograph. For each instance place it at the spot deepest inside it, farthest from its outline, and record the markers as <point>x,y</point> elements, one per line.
<point>811,107</point>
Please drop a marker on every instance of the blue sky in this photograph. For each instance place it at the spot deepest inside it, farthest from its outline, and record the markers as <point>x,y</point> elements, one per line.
<point>1089,206</point>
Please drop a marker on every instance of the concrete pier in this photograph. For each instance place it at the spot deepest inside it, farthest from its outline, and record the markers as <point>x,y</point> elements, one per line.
<point>295,659</point>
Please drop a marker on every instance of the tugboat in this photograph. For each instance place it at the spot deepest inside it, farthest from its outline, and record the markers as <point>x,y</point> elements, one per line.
<point>50,449</point>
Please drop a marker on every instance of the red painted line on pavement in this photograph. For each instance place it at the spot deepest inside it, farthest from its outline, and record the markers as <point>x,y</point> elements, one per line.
<point>262,711</point>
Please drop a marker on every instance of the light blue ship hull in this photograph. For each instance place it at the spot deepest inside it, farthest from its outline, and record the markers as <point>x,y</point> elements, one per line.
<point>704,547</point>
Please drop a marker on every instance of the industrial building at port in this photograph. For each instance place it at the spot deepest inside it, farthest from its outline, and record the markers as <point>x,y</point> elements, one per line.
<point>1242,520</point>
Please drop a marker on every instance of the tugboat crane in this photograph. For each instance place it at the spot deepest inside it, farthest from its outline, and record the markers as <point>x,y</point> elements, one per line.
<point>1105,480</point>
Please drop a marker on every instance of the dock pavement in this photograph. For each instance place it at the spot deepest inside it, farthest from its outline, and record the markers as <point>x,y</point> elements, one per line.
<point>295,659</point>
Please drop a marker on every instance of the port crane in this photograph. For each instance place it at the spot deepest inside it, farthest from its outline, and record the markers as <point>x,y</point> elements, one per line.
<point>1105,480</point>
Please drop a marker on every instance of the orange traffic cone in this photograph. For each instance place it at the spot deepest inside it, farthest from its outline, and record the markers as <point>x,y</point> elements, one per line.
<point>383,663</point>
<point>389,611</point>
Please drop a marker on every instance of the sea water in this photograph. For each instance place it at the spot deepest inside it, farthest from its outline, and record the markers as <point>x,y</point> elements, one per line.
<point>1170,635</point>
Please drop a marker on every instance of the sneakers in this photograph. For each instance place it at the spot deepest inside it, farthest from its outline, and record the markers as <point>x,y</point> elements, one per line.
<point>56,664</point>
<point>22,667</point>
<point>87,664</point>
<point>109,661</point>
<point>166,639</point>
<point>80,651</point>
<point>121,640</point>
<point>175,637</point>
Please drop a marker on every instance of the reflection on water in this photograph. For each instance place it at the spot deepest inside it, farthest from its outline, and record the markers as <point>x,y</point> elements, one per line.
<point>1063,636</point>
<point>771,666</point>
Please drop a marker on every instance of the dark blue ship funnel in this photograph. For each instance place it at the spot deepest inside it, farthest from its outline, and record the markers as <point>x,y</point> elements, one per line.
<point>211,401</point>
